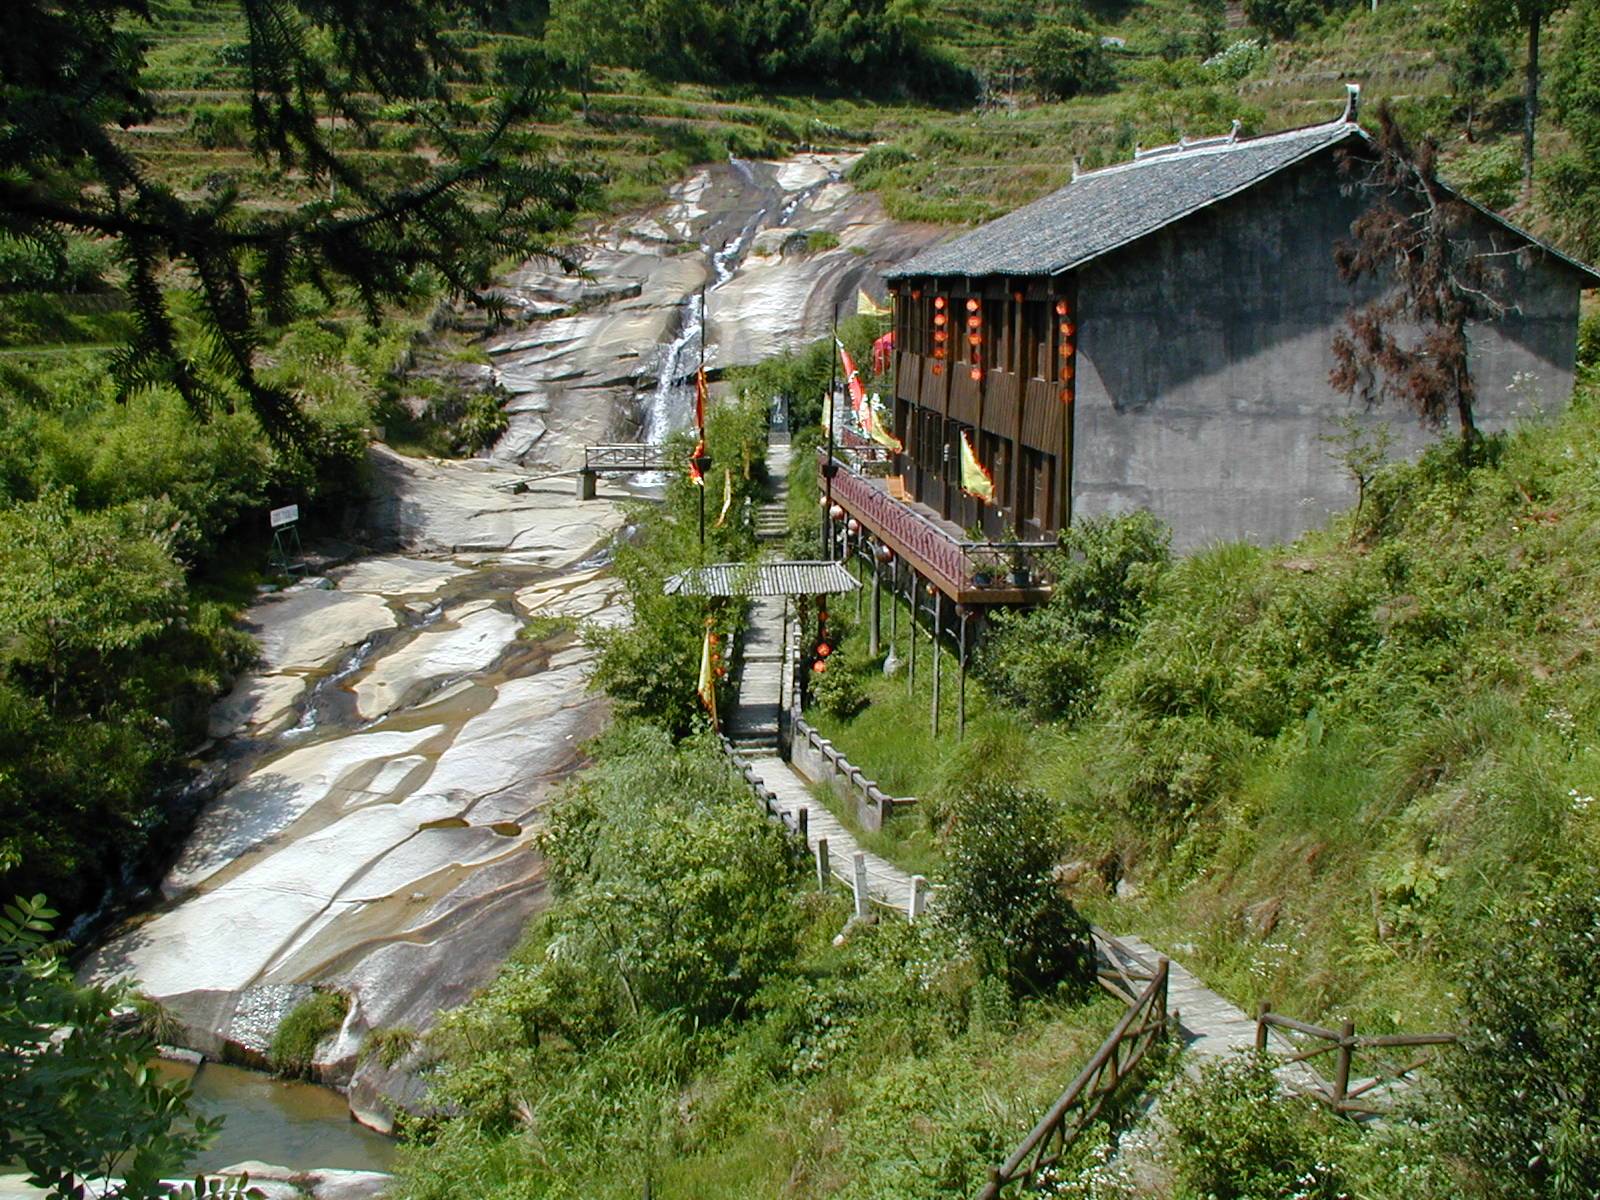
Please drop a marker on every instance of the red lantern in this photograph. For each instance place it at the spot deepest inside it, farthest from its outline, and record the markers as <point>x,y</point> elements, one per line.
<point>1066,395</point>
<point>1017,296</point>
<point>1068,329</point>
<point>721,671</point>
<point>938,351</point>
<point>714,638</point>
<point>940,335</point>
<point>972,305</point>
<point>1068,350</point>
<point>885,555</point>
<point>974,339</point>
<point>823,649</point>
<point>939,319</point>
<point>853,525</point>
<point>938,368</point>
<point>1066,371</point>
<point>975,374</point>
<point>822,612</point>
<point>974,322</point>
<point>1061,308</point>
<point>938,301</point>
<point>837,512</point>
<point>819,667</point>
<point>822,502</point>
<point>916,293</point>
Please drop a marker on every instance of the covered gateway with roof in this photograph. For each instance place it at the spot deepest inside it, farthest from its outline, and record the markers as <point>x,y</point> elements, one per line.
<point>1158,334</point>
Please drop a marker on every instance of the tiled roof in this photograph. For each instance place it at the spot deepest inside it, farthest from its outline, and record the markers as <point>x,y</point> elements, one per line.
<point>1102,210</point>
<point>762,579</point>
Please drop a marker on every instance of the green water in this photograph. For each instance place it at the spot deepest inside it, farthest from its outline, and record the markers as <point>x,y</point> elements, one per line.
<point>290,1124</point>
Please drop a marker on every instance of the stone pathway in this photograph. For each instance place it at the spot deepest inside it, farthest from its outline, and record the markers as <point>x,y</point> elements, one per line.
<point>752,720</point>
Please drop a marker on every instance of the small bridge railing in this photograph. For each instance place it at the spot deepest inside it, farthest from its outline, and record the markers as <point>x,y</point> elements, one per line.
<point>627,456</point>
<point>1144,1023</point>
<point>1357,1099</point>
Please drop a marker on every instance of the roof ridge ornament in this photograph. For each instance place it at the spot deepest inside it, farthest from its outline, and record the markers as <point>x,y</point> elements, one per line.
<point>1077,166</point>
<point>1352,103</point>
<point>1233,134</point>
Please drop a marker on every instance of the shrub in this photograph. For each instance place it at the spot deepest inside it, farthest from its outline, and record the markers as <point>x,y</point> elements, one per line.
<point>1235,1136</point>
<point>1002,890</point>
<point>1050,659</point>
<point>838,690</point>
<point>308,1025</point>
<point>1520,1096</point>
<point>1068,62</point>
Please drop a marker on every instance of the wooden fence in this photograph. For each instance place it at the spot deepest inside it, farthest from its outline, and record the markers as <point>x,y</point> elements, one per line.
<point>1122,973</point>
<point>1363,1096</point>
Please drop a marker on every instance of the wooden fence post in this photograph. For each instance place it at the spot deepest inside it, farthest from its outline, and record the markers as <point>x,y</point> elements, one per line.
<point>1341,1079</point>
<point>802,819</point>
<point>1262,1010</point>
<point>824,867</point>
<point>859,879</point>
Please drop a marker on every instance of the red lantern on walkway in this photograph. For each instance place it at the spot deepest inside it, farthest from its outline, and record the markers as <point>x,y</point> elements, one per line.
<point>853,525</point>
<point>837,512</point>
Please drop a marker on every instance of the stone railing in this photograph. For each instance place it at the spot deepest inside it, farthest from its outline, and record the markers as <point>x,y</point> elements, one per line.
<point>818,759</point>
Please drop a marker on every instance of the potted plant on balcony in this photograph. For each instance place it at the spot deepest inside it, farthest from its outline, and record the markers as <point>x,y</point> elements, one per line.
<point>977,551</point>
<point>1020,574</point>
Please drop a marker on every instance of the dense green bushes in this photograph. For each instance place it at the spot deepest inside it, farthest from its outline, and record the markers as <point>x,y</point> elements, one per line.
<point>683,1020</point>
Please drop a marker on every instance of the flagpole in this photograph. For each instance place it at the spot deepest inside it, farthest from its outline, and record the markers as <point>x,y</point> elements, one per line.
<point>700,374</point>
<point>827,471</point>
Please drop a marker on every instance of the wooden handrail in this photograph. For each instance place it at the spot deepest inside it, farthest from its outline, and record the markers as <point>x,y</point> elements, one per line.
<point>1144,1021</point>
<point>1343,1044</point>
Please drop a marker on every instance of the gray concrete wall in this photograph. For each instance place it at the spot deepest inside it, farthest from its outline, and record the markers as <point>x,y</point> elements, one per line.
<point>1204,354</point>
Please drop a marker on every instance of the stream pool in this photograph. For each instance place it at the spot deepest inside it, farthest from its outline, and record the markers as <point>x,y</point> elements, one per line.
<point>279,1121</point>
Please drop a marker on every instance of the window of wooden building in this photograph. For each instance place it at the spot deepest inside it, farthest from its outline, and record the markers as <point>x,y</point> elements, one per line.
<point>1037,489</point>
<point>1039,335</point>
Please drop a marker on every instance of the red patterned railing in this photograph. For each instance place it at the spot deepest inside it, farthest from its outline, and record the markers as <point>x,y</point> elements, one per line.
<point>963,565</point>
<point>903,529</point>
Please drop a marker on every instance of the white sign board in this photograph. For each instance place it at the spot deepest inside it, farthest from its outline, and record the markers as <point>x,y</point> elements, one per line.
<point>287,515</point>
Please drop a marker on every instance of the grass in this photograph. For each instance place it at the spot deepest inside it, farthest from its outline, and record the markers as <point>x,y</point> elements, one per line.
<point>310,1023</point>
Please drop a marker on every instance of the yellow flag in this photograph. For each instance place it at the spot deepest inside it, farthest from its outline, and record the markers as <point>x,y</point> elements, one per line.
<point>975,481</point>
<point>866,306</point>
<point>875,429</point>
<point>706,689</point>
<point>727,495</point>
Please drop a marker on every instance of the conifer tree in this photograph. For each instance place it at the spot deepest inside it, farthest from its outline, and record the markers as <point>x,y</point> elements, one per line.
<point>70,72</point>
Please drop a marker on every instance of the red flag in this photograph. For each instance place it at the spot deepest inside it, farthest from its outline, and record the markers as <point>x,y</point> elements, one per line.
<point>700,403</point>
<point>695,475</point>
<point>881,350</point>
<point>852,380</point>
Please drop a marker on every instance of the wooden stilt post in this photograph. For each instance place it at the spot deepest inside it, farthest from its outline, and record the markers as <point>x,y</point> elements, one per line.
<point>859,881</point>
<point>961,685</point>
<point>911,636</point>
<point>875,610</point>
<point>938,622</point>
<point>824,867</point>
<point>894,603</point>
<point>853,553</point>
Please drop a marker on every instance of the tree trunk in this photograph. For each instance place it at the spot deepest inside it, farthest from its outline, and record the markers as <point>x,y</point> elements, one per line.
<point>1530,103</point>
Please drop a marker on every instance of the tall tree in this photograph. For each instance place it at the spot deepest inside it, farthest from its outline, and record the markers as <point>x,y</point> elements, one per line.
<point>70,73</point>
<point>1422,245</point>
<point>1477,17</point>
<point>1572,178</point>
